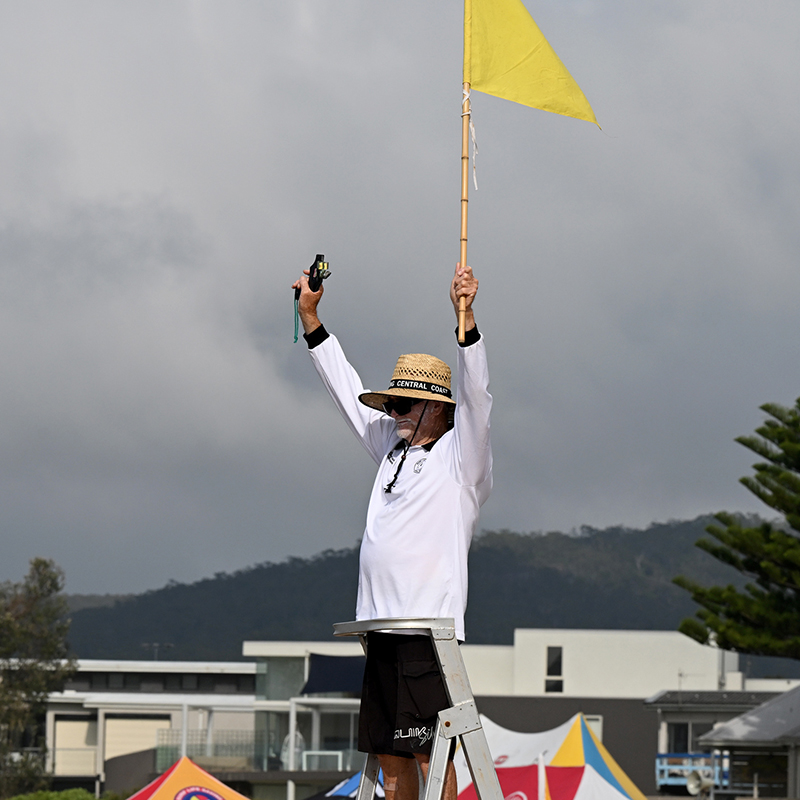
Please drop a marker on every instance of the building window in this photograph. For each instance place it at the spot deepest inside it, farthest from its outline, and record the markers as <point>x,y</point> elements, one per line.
<point>280,678</point>
<point>682,737</point>
<point>678,737</point>
<point>595,723</point>
<point>79,683</point>
<point>133,682</point>
<point>99,681</point>
<point>152,683</point>
<point>768,770</point>
<point>555,670</point>
<point>698,729</point>
<point>554,658</point>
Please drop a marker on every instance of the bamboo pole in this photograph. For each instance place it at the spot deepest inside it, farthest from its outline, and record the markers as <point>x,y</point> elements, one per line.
<point>465,111</point>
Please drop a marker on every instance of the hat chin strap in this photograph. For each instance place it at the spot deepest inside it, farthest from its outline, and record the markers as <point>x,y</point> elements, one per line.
<point>389,486</point>
<point>419,422</point>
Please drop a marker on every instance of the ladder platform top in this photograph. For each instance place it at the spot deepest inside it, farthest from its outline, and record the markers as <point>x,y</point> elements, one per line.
<point>392,624</point>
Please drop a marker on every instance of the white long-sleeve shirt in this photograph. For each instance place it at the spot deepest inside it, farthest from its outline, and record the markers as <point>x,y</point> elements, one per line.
<point>413,560</point>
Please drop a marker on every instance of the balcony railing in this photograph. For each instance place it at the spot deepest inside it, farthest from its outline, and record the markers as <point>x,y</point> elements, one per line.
<point>672,769</point>
<point>228,751</point>
<point>242,751</point>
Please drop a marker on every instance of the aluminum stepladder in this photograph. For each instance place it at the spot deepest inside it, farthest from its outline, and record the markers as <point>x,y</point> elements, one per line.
<point>460,719</point>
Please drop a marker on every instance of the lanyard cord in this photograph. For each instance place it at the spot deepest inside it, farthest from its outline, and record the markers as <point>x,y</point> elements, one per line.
<point>389,486</point>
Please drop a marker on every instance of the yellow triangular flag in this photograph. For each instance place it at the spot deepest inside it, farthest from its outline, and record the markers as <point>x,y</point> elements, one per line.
<point>506,55</point>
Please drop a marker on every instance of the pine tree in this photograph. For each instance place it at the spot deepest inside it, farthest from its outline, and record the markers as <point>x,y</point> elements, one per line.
<point>763,617</point>
<point>33,663</point>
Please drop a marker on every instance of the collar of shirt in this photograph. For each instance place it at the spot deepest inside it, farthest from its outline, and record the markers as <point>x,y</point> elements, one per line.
<point>427,447</point>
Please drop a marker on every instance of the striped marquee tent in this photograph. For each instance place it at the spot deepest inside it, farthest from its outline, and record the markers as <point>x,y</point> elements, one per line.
<point>566,763</point>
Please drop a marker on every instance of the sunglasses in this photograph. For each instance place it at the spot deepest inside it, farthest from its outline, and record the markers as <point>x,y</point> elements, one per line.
<point>401,406</point>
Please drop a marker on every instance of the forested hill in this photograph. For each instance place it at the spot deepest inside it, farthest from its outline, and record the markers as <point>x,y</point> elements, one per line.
<point>612,578</point>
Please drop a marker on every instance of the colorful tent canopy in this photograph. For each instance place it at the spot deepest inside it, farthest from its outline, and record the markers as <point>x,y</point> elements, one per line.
<point>184,780</point>
<point>349,788</point>
<point>566,763</point>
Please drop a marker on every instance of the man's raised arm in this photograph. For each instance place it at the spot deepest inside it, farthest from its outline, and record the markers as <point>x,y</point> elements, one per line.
<point>473,464</point>
<point>372,428</point>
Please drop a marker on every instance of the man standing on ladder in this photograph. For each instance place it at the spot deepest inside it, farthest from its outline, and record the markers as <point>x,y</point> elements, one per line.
<point>434,461</point>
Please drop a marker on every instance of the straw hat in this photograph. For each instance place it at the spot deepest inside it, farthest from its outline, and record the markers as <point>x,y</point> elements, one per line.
<point>416,375</point>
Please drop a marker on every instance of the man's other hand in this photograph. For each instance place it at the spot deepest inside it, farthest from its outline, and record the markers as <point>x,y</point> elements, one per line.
<point>307,303</point>
<point>464,284</point>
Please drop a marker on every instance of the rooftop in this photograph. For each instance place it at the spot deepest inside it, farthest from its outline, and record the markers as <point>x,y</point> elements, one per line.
<point>709,699</point>
<point>195,667</point>
<point>777,720</point>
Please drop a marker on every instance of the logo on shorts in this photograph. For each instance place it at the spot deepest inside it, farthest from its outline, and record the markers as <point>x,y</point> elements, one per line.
<point>419,464</point>
<point>422,734</point>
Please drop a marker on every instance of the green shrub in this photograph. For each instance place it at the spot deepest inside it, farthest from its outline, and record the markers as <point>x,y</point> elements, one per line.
<point>67,794</point>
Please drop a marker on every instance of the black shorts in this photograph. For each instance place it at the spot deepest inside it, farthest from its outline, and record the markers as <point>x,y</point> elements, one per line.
<point>402,696</point>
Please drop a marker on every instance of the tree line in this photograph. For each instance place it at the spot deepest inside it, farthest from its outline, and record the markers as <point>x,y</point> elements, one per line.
<point>610,578</point>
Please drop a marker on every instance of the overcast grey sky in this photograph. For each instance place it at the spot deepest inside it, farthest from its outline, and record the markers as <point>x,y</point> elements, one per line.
<point>167,167</point>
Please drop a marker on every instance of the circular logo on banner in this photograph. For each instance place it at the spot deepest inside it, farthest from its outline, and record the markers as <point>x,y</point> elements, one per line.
<point>197,793</point>
<point>517,796</point>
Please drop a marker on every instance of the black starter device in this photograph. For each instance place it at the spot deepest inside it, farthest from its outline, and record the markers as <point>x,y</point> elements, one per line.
<point>317,273</point>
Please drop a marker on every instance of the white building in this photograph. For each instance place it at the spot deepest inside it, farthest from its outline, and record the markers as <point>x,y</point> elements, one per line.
<point>597,663</point>
<point>113,710</point>
<point>118,722</point>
